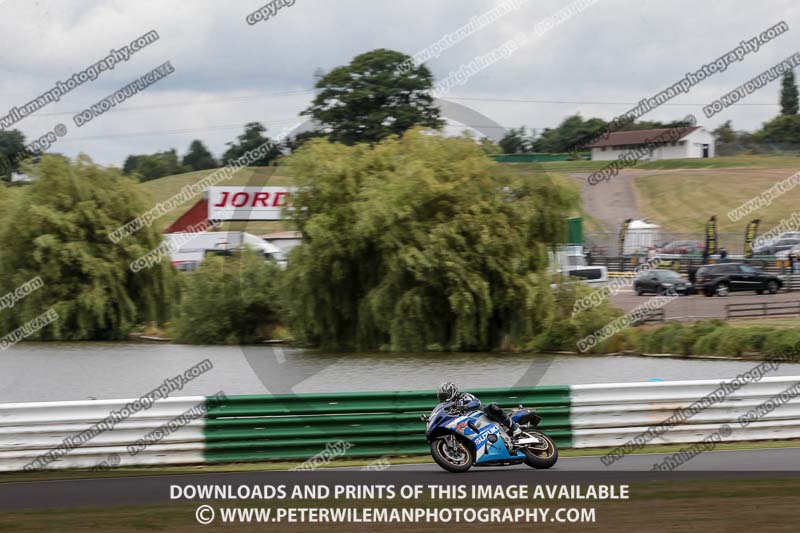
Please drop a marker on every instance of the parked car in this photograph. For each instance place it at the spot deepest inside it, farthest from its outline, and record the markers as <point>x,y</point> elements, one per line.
<point>682,248</point>
<point>784,255</point>
<point>778,246</point>
<point>724,278</point>
<point>661,282</point>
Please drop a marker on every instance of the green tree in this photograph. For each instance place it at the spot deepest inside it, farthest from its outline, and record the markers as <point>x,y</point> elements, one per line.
<point>198,157</point>
<point>131,162</point>
<point>292,144</point>
<point>373,97</point>
<point>252,138</point>
<point>420,243</point>
<point>725,133</point>
<point>571,133</point>
<point>789,103</point>
<point>12,147</point>
<point>489,147</point>
<point>58,229</point>
<point>652,125</point>
<point>783,129</point>
<point>515,141</point>
<point>154,166</point>
<point>230,300</point>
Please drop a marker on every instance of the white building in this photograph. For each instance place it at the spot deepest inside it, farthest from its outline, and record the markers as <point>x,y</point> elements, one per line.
<point>663,143</point>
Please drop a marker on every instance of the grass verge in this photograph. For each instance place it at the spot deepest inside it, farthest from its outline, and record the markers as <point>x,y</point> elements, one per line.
<point>713,505</point>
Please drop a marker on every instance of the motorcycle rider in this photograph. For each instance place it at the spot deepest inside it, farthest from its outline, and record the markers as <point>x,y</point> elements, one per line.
<point>448,392</point>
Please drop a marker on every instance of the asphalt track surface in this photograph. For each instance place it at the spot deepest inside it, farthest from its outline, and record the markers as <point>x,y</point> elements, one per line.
<point>612,201</point>
<point>155,490</point>
<point>700,306</point>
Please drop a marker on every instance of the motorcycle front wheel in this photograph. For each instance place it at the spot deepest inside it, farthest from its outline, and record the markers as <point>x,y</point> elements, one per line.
<point>541,457</point>
<point>452,454</point>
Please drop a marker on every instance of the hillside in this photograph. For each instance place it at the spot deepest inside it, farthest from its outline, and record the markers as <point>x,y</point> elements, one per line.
<point>163,188</point>
<point>166,187</point>
<point>682,200</point>
<point>760,161</point>
<point>680,194</point>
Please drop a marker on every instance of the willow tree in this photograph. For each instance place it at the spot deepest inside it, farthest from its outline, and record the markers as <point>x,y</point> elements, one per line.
<point>57,228</point>
<point>420,242</point>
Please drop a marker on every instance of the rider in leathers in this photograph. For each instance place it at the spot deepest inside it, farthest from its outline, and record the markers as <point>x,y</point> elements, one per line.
<point>448,392</point>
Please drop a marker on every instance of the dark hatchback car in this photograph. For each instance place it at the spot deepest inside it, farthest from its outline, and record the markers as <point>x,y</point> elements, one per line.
<point>724,278</point>
<point>661,282</point>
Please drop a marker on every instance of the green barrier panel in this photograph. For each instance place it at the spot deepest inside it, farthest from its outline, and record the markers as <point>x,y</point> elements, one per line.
<point>363,418</point>
<point>284,455</point>
<point>335,425</point>
<point>292,427</point>
<point>345,433</point>
<point>256,453</point>
<point>319,443</point>
<point>371,402</point>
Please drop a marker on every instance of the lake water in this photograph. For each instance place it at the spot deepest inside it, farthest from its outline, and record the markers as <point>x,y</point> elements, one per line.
<point>78,371</point>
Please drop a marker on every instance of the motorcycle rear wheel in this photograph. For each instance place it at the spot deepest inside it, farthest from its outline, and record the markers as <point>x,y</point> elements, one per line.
<point>538,458</point>
<point>452,454</point>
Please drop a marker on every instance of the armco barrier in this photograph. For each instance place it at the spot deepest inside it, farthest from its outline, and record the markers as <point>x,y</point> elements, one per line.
<point>296,427</point>
<point>253,428</point>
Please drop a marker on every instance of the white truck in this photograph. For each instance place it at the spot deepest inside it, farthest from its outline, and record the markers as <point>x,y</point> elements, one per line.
<point>189,249</point>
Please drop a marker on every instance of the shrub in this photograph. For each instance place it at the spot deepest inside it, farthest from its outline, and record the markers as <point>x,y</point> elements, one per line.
<point>674,338</point>
<point>715,337</point>
<point>229,300</point>
<point>562,329</point>
<point>785,341</point>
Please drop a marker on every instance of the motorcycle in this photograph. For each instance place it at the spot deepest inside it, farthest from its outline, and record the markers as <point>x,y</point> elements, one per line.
<point>463,436</point>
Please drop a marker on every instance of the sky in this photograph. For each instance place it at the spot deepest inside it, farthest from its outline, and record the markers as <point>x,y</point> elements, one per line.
<point>599,62</point>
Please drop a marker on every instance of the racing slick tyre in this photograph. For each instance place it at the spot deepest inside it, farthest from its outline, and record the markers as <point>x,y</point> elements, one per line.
<point>541,458</point>
<point>452,454</point>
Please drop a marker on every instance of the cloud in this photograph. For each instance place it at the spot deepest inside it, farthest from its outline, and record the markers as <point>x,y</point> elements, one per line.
<point>228,73</point>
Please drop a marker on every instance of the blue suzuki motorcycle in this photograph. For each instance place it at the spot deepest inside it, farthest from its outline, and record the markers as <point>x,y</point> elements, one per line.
<point>462,437</point>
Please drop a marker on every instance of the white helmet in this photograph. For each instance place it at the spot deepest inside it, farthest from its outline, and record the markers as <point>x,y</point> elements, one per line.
<point>447,391</point>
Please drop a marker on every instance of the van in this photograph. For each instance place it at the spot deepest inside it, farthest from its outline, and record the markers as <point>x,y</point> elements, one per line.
<point>189,249</point>
<point>570,261</point>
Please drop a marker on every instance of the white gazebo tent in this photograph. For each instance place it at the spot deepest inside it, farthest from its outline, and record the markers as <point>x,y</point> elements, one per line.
<point>641,236</point>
